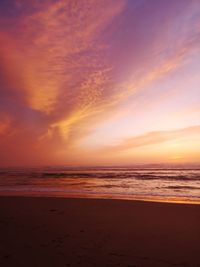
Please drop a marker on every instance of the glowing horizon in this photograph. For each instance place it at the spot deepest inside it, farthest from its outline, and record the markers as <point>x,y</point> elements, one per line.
<point>108,82</point>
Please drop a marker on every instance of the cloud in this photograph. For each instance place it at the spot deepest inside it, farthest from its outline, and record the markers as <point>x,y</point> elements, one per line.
<point>57,48</point>
<point>154,138</point>
<point>60,42</point>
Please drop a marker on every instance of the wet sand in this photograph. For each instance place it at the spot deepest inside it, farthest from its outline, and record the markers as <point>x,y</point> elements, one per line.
<point>87,232</point>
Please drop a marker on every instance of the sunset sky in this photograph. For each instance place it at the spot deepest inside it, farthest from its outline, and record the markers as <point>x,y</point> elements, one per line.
<point>99,82</point>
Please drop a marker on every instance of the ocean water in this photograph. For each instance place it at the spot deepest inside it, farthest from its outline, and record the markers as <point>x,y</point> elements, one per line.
<point>151,184</point>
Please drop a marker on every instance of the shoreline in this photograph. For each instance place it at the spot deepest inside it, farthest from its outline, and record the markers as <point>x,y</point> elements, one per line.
<point>57,232</point>
<point>154,199</point>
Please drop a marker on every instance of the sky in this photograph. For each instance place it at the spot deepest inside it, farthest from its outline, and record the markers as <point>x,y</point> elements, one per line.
<point>110,82</point>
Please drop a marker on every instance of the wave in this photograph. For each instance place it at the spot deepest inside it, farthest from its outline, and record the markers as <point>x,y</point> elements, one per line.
<point>182,175</point>
<point>183,187</point>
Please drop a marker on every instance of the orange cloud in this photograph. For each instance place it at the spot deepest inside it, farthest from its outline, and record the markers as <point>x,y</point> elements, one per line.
<point>153,138</point>
<point>59,33</point>
<point>51,49</point>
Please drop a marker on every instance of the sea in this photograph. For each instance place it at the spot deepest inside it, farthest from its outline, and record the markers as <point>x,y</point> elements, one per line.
<point>163,184</point>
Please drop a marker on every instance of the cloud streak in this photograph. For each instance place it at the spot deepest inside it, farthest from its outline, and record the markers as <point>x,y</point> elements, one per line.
<point>154,138</point>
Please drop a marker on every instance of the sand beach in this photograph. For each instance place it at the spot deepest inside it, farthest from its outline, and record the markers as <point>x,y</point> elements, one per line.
<point>58,232</point>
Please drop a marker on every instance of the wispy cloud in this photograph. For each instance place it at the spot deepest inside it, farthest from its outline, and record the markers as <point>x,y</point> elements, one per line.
<point>153,138</point>
<point>56,46</point>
